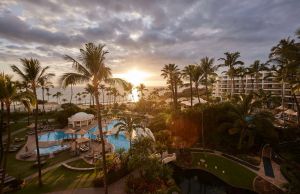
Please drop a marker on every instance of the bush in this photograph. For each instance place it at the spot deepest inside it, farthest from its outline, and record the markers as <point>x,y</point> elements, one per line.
<point>62,116</point>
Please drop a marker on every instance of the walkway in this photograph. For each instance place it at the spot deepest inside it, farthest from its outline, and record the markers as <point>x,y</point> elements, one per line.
<point>51,168</point>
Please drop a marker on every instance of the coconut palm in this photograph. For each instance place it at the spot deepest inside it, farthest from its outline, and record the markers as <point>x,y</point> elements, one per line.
<point>197,79</point>
<point>173,76</point>
<point>247,120</point>
<point>242,73</point>
<point>64,100</point>
<point>208,70</point>
<point>45,84</point>
<point>48,94</point>
<point>57,95</point>
<point>141,89</point>
<point>128,124</point>
<point>187,73</point>
<point>231,62</point>
<point>255,68</point>
<point>10,94</point>
<point>129,88</point>
<point>282,55</point>
<point>68,82</point>
<point>90,67</point>
<point>31,73</point>
<point>102,88</point>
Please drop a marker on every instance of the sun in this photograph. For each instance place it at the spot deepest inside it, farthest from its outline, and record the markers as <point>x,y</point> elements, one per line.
<point>134,76</point>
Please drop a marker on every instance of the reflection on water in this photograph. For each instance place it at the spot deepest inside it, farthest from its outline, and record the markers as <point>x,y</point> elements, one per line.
<point>200,182</point>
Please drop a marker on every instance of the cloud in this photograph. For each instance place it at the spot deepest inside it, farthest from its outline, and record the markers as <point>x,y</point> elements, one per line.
<point>145,34</point>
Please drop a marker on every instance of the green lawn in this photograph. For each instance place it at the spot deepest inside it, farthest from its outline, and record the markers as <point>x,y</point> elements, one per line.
<point>60,179</point>
<point>235,174</point>
<point>23,169</point>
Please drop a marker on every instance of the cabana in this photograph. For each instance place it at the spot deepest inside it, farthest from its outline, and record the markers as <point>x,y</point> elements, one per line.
<point>80,119</point>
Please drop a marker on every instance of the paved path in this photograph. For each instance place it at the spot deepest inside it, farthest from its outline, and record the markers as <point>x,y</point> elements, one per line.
<point>51,168</point>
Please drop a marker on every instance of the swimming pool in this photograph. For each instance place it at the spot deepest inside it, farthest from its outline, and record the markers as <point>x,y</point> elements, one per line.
<point>52,149</point>
<point>119,142</point>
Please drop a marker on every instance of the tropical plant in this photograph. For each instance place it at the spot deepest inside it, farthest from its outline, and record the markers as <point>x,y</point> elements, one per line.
<point>90,67</point>
<point>57,95</point>
<point>283,56</point>
<point>129,88</point>
<point>197,79</point>
<point>141,89</point>
<point>128,124</point>
<point>9,94</point>
<point>102,88</point>
<point>242,73</point>
<point>45,85</point>
<point>188,73</point>
<point>173,76</point>
<point>31,73</point>
<point>69,82</point>
<point>208,70</point>
<point>247,120</point>
<point>231,62</point>
<point>256,68</point>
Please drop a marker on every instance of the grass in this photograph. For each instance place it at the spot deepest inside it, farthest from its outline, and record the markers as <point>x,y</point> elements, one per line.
<point>80,164</point>
<point>235,174</point>
<point>60,179</point>
<point>22,169</point>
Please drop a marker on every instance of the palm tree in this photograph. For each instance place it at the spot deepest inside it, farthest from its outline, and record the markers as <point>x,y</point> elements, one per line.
<point>31,73</point>
<point>128,124</point>
<point>48,95</point>
<point>90,67</point>
<point>68,82</point>
<point>255,69</point>
<point>187,73</point>
<point>45,84</point>
<point>197,79</point>
<point>141,88</point>
<point>129,88</point>
<point>57,95</point>
<point>102,88</point>
<point>264,97</point>
<point>247,119</point>
<point>208,70</point>
<point>281,55</point>
<point>231,61</point>
<point>10,94</point>
<point>173,76</point>
<point>89,89</point>
<point>64,100</point>
<point>242,73</point>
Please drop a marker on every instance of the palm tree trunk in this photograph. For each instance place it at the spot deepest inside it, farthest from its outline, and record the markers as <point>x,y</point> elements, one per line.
<point>1,131</point>
<point>7,147</point>
<point>36,138</point>
<point>282,99</point>
<point>191,88</point>
<point>102,138</point>
<point>256,83</point>
<point>71,94</point>
<point>197,90</point>
<point>206,88</point>
<point>298,108</point>
<point>43,96</point>
<point>241,139</point>
<point>176,96</point>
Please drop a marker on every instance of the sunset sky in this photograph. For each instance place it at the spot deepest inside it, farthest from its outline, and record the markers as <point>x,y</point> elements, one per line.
<point>143,35</point>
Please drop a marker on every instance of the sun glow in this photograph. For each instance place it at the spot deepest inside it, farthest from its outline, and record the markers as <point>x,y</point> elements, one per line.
<point>134,76</point>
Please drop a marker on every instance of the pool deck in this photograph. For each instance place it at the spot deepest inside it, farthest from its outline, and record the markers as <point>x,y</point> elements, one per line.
<point>31,146</point>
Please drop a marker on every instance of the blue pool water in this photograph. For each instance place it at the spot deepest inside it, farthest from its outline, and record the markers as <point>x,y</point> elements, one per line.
<point>51,149</point>
<point>119,142</point>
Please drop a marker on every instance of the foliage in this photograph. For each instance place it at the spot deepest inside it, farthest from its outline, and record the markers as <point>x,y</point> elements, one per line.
<point>62,116</point>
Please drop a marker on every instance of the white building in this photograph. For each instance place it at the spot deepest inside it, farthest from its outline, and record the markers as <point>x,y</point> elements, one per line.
<point>266,81</point>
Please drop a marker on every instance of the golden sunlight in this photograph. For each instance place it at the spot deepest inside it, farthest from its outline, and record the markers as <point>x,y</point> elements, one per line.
<point>134,76</point>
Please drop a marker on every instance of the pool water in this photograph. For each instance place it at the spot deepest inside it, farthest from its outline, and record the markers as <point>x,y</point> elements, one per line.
<point>119,142</point>
<point>52,149</point>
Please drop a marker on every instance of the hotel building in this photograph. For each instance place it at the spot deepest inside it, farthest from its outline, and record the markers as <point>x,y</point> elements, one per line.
<point>266,81</point>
